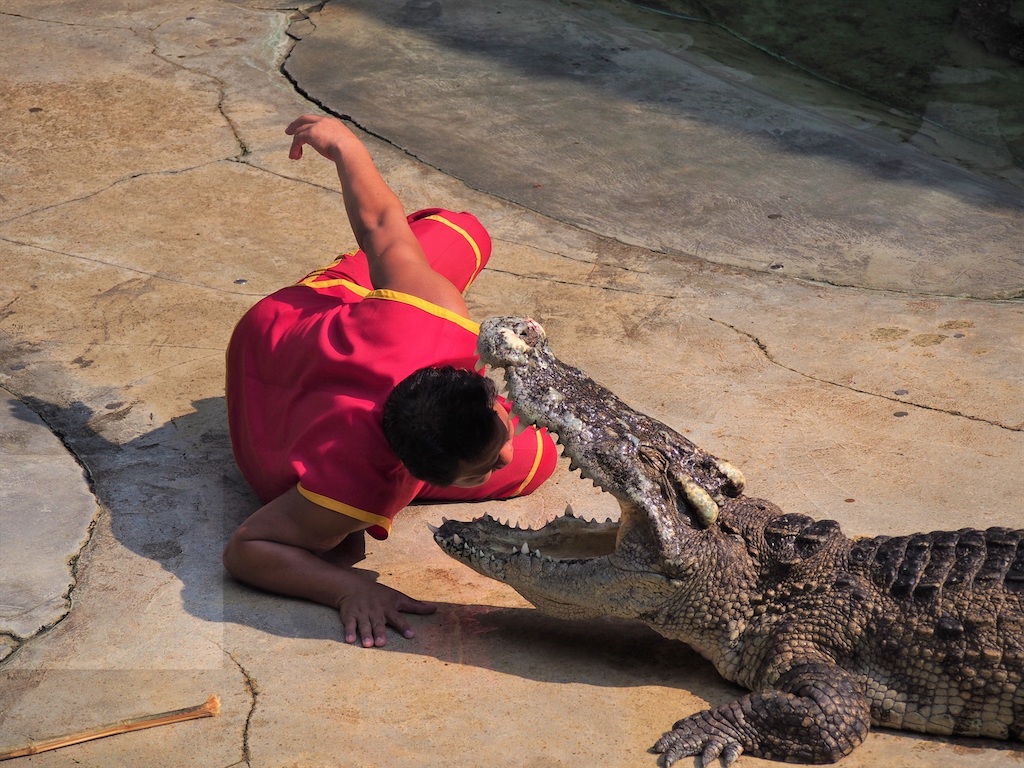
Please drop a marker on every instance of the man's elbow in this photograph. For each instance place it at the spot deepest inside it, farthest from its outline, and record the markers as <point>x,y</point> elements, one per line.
<point>232,557</point>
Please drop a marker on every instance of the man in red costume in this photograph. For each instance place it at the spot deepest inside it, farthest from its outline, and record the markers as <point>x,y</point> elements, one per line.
<point>353,393</point>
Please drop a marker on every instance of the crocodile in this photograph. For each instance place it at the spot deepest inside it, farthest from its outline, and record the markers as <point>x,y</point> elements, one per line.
<point>831,635</point>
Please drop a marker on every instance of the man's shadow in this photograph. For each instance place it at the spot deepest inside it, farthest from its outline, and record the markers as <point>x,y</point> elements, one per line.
<point>175,495</point>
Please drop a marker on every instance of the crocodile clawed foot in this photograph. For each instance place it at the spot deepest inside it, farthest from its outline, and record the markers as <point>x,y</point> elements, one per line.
<point>692,737</point>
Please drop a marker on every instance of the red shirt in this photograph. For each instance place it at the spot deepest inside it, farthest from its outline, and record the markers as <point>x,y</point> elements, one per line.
<point>308,371</point>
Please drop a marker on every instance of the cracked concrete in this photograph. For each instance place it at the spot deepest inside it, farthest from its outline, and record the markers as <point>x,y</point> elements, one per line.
<point>833,352</point>
<point>41,536</point>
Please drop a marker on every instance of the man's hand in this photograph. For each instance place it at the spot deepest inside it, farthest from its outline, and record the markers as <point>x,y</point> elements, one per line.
<point>326,135</point>
<point>366,612</point>
<point>290,546</point>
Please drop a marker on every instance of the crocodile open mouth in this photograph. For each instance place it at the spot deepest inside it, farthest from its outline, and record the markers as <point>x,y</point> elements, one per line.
<point>490,543</point>
<point>486,543</point>
<point>662,481</point>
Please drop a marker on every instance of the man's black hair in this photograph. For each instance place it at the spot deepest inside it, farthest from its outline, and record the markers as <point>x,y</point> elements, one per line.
<point>437,418</point>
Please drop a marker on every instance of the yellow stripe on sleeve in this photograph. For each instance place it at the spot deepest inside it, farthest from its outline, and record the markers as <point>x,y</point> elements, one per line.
<point>536,463</point>
<point>345,509</point>
<point>426,306</point>
<point>469,239</point>
<point>315,279</point>
<point>354,287</point>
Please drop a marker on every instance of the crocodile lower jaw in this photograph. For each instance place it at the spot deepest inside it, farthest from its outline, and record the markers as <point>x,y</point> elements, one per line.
<point>494,548</point>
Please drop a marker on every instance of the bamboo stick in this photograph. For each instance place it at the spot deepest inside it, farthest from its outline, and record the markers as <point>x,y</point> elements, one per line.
<point>210,708</point>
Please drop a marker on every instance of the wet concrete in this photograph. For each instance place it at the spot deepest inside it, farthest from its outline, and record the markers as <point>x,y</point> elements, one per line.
<point>847,347</point>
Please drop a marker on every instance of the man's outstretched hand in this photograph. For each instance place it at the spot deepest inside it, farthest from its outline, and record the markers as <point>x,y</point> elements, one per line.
<point>326,135</point>
<point>365,614</point>
<point>293,546</point>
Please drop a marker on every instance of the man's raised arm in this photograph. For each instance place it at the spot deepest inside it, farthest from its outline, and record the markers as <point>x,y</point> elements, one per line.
<point>375,213</point>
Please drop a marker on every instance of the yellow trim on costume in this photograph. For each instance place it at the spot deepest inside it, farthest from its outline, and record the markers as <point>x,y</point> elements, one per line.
<point>354,287</point>
<point>536,464</point>
<point>345,509</point>
<point>312,280</point>
<point>426,306</point>
<point>469,239</point>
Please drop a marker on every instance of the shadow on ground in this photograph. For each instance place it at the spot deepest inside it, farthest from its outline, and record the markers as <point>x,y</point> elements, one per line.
<point>174,496</point>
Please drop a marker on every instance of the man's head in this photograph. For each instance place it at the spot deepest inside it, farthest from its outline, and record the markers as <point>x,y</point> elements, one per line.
<point>446,426</point>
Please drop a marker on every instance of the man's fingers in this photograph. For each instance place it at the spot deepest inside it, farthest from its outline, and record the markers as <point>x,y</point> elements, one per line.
<point>421,607</point>
<point>398,623</point>
<point>380,634</point>
<point>298,130</point>
<point>298,122</point>
<point>350,630</point>
<point>366,633</point>
<point>295,151</point>
<point>367,623</point>
<point>401,624</point>
<point>372,632</point>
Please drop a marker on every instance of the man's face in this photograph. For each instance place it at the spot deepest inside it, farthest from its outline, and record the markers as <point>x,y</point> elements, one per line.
<point>479,472</point>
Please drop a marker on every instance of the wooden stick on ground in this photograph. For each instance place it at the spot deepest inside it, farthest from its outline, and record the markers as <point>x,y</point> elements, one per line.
<point>209,709</point>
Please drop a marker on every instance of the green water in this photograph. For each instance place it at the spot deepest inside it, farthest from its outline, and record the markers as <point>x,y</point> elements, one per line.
<point>953,64</point>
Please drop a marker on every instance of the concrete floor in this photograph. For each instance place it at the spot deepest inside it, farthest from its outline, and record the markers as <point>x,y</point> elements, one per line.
<point>834,310</point>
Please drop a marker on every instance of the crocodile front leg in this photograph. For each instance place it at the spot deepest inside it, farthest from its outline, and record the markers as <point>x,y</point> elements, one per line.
<point>815,713</point>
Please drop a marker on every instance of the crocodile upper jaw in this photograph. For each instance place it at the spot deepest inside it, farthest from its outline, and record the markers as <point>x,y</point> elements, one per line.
<point>571,559</point>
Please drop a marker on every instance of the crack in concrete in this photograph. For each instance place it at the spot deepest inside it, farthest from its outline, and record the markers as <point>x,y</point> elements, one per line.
<point>764,347</point>
<point>768,356</point>
<point>127,345</point>
<point>108,187</point>
<point>1012,298</point>
<point>578,284</point>
<point>127,268</point>
<point>70,595</point>
<point>62,23</point>
<point>17,642</point>
<point>150,36</point>
<point>254,693</point>
<point>9,645</point>
<point>279,175</point>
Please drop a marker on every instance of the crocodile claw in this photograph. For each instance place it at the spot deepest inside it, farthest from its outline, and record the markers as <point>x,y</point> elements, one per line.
<point>693,736</point>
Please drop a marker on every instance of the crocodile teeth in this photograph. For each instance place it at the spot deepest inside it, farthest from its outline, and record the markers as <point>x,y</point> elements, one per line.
<point>433,528</point>
<point>525,549</point>
<point>457,540</point>
<point>521,426</point>
<point>478,364</point>
<point>568,511</point>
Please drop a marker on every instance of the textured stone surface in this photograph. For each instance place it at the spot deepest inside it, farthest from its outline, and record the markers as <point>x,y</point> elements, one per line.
<point>152,202</point>
<point>46,515</point>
